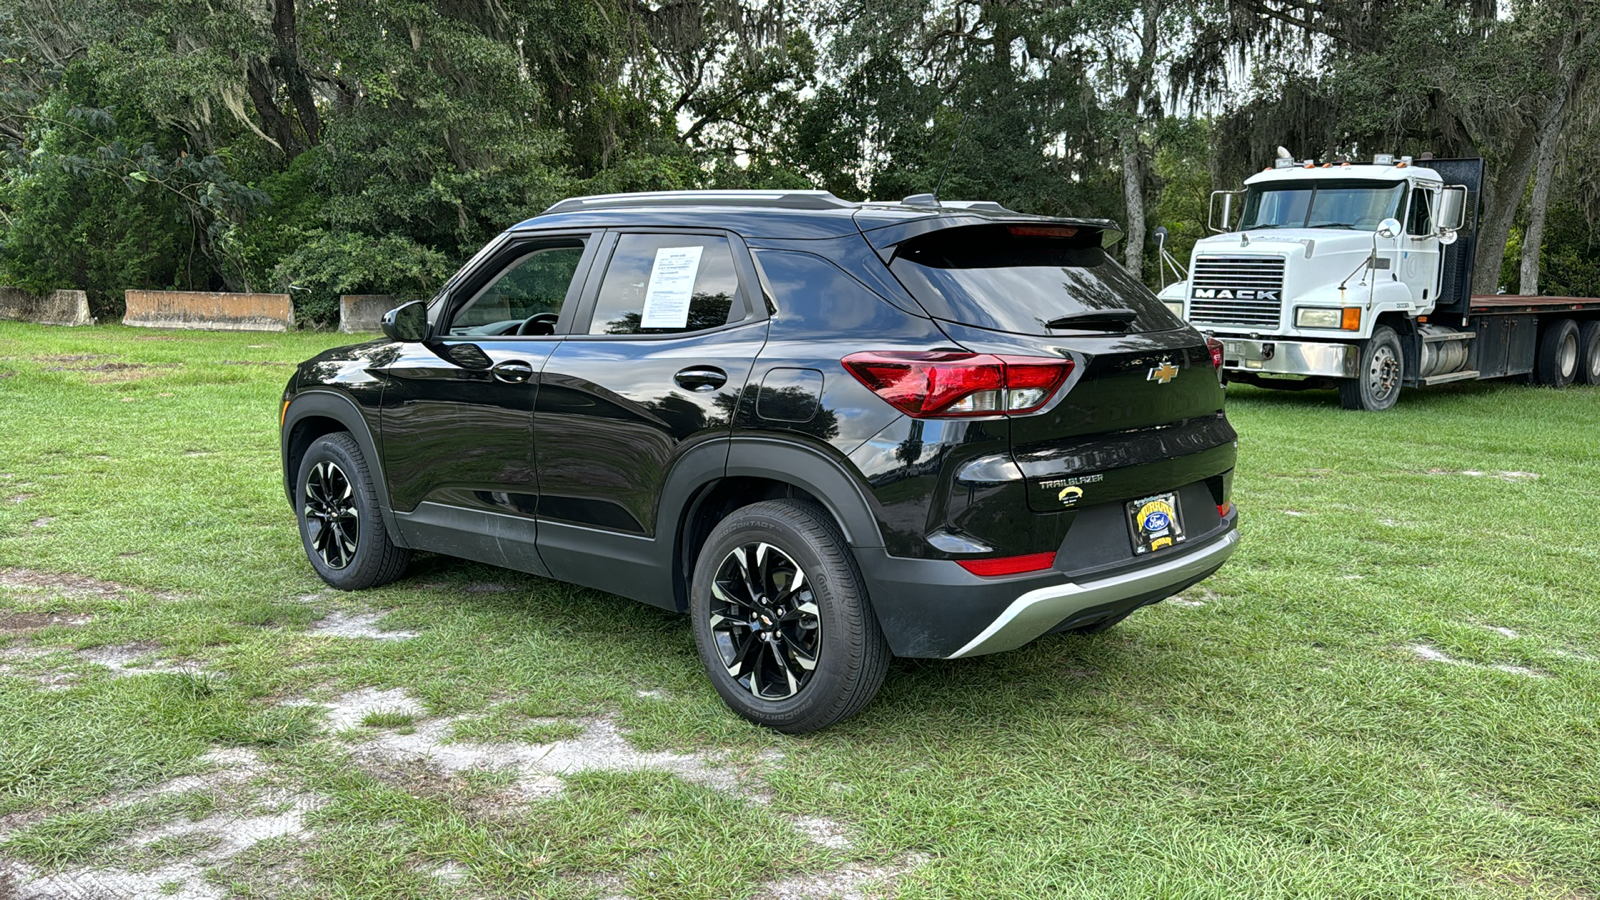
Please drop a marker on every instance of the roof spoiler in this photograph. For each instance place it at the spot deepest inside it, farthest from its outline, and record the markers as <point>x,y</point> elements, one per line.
<point>886,239</point>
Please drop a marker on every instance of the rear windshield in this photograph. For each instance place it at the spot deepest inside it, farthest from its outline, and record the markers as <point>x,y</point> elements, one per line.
<point>1028,280</point>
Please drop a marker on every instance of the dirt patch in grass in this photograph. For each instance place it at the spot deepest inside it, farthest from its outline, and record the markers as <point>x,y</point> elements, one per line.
<point>59,584</point>
<point>853,882</point>
<point>1434,654</point>
<point>255,362</point>
<point>356,625</point>
<point>129,660</point>
<point>28,622</point>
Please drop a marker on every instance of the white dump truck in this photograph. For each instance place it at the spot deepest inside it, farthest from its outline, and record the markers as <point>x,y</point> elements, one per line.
<point>1358,276</point>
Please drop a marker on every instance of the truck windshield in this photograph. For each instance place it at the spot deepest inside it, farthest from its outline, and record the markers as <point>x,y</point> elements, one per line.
<point>1359,205</point>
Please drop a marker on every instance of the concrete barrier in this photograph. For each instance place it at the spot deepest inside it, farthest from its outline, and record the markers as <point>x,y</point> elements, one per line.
<point>208,311</point>
<point>57,308</point>
<point>362,312</point>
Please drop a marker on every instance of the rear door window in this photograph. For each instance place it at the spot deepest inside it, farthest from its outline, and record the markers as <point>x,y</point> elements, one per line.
<point>1028,280</point>
<point>668,284</point>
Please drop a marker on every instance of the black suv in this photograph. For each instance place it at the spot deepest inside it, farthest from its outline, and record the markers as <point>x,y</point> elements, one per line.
<point>829,431</point>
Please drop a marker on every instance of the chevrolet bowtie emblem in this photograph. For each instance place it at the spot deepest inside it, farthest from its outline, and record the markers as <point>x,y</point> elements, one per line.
<point>1163,373</point>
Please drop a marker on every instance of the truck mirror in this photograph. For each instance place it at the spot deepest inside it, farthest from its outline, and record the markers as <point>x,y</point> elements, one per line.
<point>1388,228</point>
<point>1452,208</point>
<point>1227,211</point>
<point>1161,235</point>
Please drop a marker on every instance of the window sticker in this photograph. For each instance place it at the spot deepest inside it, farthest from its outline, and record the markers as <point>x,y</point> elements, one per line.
<point>666,301</point>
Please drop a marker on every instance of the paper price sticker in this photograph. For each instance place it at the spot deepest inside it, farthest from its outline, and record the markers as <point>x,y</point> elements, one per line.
<point>666,300</point>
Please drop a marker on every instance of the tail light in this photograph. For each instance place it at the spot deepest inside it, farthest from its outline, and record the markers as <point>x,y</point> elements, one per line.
<point>1216,352</point>
<point>941,384</point>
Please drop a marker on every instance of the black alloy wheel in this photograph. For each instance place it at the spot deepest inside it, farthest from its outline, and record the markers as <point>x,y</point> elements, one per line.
<point>764,621</point>
<point>782,620</point>
<point>341,528</point>
<point>333,523</point>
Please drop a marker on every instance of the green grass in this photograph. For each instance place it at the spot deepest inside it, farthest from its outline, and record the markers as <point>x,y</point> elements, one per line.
<point>1283,739</point>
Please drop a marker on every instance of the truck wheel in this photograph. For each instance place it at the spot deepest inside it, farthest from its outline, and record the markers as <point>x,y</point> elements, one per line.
<point>1589,352</point>
<point>1382,368</point>
<point>1557,362</point>
<point>782,621</point>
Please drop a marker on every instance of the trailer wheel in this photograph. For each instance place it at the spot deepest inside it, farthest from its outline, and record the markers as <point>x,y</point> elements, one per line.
<point>1557,363</point>
<point>1589,352</point>
<point>1382,369</point>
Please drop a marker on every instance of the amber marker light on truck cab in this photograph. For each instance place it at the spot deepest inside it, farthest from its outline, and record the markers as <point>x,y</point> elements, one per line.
<point>283,413</point>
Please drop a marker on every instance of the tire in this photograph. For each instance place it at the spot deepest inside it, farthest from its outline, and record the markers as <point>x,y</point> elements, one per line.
<point>1383,366</point>
<point>341,527</point>
<point>1557,363</point>
<point>1589,353</point>
<point>826,620</point>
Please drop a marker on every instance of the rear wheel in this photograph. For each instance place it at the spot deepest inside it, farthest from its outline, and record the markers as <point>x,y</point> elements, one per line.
<point>1557,363</point>
<point>341,528</point>
<point>1589,353</point>
<point>1377,387</point>
<point>782,621</point>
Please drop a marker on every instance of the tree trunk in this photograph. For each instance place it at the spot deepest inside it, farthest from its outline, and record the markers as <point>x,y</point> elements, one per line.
<point>287,63</point>
<point>1133,196</point>
<point>1549,139</point>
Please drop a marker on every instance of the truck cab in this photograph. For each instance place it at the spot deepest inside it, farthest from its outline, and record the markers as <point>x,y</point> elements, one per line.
<point>1324,261</point>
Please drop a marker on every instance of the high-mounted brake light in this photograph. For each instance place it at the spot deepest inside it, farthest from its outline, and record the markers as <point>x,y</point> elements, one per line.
<point>1008,565</point>
<point>942,384</point>
<point>1041,231</point>
<point>1215,346</point>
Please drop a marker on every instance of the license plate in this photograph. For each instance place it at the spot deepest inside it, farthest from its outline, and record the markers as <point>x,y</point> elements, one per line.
<point>1155,523</point>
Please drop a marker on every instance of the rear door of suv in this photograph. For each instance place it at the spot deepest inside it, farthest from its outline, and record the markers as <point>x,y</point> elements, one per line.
<point>654,366</point>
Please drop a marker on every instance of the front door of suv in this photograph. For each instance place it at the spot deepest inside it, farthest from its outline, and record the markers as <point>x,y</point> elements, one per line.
<point>457,419</point>
<point>654,367</point>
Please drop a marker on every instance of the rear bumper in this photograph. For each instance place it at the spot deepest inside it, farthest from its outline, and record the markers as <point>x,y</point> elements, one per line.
<point>1043,609</point>
<point>936,609</point>
<point>1291,357</point>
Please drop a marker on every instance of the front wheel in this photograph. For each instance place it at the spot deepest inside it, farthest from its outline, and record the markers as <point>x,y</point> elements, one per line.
<point>340,525</point>
<point>1377,386</point>
<point>782,621</point>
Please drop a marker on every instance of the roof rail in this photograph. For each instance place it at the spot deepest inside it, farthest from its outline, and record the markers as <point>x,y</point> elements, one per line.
<point>772,199</point>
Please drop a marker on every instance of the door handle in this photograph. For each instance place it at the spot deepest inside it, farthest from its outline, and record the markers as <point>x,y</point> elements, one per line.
<point>701,378</point>
<point>512,371</point>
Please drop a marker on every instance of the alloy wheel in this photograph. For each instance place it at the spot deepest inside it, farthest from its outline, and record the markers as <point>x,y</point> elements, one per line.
<point>332,520</point>
<point>764,621</point>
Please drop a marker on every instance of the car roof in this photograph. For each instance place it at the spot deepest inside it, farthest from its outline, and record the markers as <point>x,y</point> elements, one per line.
<point>777,214</point>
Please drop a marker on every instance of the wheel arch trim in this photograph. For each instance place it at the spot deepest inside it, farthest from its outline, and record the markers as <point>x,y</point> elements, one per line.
<point>332,405</point>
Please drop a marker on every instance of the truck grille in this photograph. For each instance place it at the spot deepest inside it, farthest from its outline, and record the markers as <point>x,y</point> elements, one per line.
<point>1236,290</point>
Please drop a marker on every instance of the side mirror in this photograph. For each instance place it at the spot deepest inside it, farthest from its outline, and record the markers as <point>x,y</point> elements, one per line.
<point>1227,211</point>
<point>1161,235</point>
<point>406,323</point>
<point>1388,228</point>
<point>1452,209</point>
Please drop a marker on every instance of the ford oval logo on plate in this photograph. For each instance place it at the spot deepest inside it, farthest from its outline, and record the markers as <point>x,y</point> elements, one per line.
<point>1156,521</point>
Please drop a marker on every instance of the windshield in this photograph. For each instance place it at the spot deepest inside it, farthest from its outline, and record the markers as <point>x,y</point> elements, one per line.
<point>1359,205</point>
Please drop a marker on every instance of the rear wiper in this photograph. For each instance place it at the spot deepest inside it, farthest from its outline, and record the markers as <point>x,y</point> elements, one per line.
<point>1119,319</point>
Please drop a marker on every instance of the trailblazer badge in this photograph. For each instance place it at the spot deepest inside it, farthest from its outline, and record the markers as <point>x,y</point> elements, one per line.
<point>1155,523</point>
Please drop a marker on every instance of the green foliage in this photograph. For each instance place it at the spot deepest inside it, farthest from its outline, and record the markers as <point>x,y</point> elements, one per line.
<point>328,264</point>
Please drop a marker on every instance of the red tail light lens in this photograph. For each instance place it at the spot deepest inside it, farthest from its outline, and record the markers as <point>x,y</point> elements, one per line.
<point>1008,565</point>
<point>1216,352</point>
<point>943,384</point>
